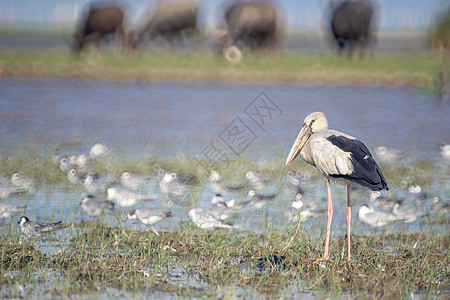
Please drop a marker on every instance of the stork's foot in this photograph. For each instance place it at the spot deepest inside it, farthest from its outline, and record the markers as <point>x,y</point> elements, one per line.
<point>322,259</point>
<point>350,263</point>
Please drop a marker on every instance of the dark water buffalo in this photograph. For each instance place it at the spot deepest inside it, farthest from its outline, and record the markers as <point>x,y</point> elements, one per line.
<point>168,20</point>
<point>98,20</point>
<point>250,24</point>
<point>351,24</point>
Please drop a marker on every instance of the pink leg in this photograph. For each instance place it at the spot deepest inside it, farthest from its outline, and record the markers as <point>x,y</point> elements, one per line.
<point>349,219</point>
<point>326,255</point>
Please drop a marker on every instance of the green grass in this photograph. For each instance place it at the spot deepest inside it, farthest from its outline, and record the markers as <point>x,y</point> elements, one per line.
<point>385,266</point>
<point>32,162</point>
<point>412,68</point>
<point>25,30</point>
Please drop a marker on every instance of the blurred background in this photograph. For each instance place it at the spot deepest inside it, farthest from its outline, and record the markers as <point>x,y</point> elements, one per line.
<point>399,21</point>
<point>300,14</point>
<point>222,54</point>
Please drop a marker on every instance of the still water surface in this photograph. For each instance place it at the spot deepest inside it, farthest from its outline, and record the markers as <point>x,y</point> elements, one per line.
<point>170,117</point>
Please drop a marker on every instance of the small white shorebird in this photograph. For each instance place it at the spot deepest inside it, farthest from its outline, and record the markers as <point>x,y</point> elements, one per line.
<point>20,181</point>
<point>95,184</point>
<point>7,210</point>
<point>56,156</point>
<point>417,194</point>
<point>217,185</point>
<point>149,216</point>
<point>172,184</point>
<point>31,228</point>
<point>381,201</point>
<point>405,214</point>
<point>301,201</point>
<point>222,209</point>
<point>95,207</point>
<point>304,210</point>
<point>342,159</point>
<point>134,181</point>
<point>82,161</point>
<point>388,155</point>
<point>126,198</point>
<point>368,215</point>
<point>79,160</point>
<point>65,166</point>
<point>293,186</point>
<point>439,205</point>
<point>99,150</point>
<point>75,177</point>
<point>259,200</point>
<point>7,189</point>
<point>205,220</point>
<point>219,199</point>
<point>254,182</point>
<point>445,152</point>
<point>304,215</point>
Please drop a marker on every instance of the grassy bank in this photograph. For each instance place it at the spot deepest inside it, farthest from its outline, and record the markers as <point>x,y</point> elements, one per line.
<point>93,258</point>
<point>419,69</point>
<point>386,266</point>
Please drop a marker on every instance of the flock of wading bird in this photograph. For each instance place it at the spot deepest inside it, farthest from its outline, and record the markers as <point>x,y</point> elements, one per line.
<point>243,25</point>
<point>341,158</point>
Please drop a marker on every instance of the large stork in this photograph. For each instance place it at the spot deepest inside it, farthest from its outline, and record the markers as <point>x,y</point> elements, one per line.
<point>341,158</point>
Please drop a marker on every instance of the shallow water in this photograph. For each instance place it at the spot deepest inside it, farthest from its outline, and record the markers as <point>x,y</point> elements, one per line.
<point>167,119</point>
<point>137,119</point>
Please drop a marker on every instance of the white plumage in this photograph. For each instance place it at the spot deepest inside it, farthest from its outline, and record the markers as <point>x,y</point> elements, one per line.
<point>95,207</point>
<point>368,215</point>
<point>134,181</point>
<point>172,184</point>
<point>341,158</point>
<point>126,198</point>
<point>99,150</point>
<point>381,201</point>
<point>148,216</point>
<point>205,220</point>
<point>7,209</point>
<point>328,158</point>
<point>20,181</point>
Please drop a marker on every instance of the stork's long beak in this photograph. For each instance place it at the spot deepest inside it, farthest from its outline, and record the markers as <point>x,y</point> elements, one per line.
<point>300,141</point>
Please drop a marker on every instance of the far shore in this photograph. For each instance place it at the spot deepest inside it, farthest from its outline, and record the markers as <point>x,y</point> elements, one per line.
<point>379,68</point>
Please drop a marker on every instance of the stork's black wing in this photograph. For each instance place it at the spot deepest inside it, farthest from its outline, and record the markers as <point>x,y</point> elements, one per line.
<point>365,170</point>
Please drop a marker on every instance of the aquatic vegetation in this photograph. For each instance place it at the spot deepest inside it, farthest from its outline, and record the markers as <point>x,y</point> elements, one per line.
<point>388,266</point>
<point>96,258</point>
